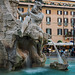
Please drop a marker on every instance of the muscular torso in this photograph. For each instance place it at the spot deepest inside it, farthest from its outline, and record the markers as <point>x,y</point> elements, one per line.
<point>35,20</point>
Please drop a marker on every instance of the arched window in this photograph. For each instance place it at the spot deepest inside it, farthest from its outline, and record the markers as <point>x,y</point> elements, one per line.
<point>59,41</point>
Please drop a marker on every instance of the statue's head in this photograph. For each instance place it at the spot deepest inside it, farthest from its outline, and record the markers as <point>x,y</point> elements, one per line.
<point>38,4</point>
<point>37,7</point>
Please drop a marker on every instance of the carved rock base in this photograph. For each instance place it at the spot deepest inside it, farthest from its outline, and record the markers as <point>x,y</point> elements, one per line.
<point>59,66</point>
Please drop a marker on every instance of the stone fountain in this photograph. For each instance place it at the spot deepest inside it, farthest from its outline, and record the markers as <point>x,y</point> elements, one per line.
<point>21,43</point>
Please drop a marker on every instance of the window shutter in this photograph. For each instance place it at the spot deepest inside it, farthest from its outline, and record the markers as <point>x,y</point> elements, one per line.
<point>61,31</point>
<point>46,31</point>
<point>67,12</point>
<point>67,20</point>
<point>64,31</point>
<point>61,12</point>
<point>46,19</point>
<point>57,31</point>
<point>49,11</point>
<point>49,19</point>
<point>71,20</point>
<point>57,12</point>
<point>22,9</point>
<point>61,19</point>
<point>67,30</point>
<point>74,13</point>
<point>50,31</point>
<point>46,11</point>
<point>71,13</point>
<point>19,9</point>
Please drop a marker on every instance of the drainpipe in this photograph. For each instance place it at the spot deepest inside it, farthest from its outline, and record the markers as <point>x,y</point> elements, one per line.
<point>63,22</point>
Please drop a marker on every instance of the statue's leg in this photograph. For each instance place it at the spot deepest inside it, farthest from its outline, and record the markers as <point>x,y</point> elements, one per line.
<point>40,46</point>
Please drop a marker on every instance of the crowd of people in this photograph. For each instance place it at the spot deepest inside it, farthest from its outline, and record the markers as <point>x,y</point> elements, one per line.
<point>73,52</point>
<point>62,51</point>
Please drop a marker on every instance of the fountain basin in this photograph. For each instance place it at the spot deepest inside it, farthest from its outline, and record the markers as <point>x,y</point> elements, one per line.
<point>59,66</point>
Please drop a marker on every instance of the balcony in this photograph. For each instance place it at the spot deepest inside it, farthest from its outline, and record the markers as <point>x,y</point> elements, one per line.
<point>71,24</point>
<point>48,23</point>
<point>73,5</point>
<point>65,24</point>
<point>59,23</point>
<point>50,4</point>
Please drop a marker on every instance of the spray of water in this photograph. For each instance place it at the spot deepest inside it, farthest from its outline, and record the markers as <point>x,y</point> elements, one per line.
<point>59,57</point>
<point>28,62</point>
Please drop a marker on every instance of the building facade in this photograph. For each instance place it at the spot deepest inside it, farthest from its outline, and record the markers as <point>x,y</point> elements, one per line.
<point>58,19</point>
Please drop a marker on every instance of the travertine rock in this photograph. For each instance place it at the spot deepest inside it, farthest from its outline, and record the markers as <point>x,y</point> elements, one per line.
<point>59,66</point>
<point>23,42</point>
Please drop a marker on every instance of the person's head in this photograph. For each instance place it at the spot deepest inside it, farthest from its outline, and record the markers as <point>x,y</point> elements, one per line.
<point>63,49</point>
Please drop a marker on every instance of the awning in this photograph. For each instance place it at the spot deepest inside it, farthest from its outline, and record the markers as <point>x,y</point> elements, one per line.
<point>61,44</point>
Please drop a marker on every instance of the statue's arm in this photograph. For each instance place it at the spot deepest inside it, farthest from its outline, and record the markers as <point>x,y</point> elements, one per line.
<point>22,14</point>
<point>37,16</point>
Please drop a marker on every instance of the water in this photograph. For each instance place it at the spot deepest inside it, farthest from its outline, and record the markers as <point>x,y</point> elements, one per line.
<point>43,71</point>
<point>28,62</point>
<point>59,57</point>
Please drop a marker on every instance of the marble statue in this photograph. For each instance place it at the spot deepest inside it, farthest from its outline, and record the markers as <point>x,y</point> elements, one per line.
<point>32,21</point>
<point>34,16</point>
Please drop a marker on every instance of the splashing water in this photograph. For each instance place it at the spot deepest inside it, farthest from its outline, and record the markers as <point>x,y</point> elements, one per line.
<point>59,57</point>
<point>28,62</point>
<point>35,70</point>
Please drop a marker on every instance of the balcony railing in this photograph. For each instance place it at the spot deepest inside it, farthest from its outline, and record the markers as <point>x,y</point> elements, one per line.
<point>52,3</point>
<point>59,23</point>
<point>59,3</point>
<point>71,24</point>
<point>65,24</point>
<point>48,23</point>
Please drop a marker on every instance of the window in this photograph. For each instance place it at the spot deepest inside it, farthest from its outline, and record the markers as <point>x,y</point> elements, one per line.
<point>59,31</point>
<point>49,31</point>
<point>21,18</point>
<point>72,21</point>
<point>48,20</point>
<point>72,13</point>
<point>72,31</point>
<point>21,9</point>
<point>65,12</point>
<point>65,31</point>
<point>48,11</point>
<point>65,21</point>
<point>59,12</point>
<point>59,20</point>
